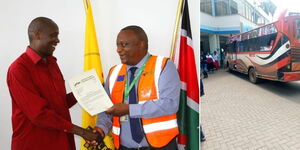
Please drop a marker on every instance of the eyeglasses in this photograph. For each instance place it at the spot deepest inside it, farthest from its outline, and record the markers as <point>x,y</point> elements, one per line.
<point>126,44</point>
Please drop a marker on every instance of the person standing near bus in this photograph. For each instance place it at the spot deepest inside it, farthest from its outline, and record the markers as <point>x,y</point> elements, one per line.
<point>203,64</point>
<point>216,58</point>
<point>210,62</point>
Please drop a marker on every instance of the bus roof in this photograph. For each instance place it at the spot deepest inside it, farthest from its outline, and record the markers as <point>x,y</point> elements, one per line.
<point>237,37</point>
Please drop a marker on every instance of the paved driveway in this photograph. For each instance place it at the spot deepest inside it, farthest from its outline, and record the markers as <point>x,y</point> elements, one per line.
<point>239,115</point>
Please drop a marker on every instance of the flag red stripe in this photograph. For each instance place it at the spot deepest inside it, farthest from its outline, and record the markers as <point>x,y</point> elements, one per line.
<point>187,69</point>
<point>182,139</point>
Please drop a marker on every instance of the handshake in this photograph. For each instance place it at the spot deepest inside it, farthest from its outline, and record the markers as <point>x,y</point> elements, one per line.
<point>93,138</point>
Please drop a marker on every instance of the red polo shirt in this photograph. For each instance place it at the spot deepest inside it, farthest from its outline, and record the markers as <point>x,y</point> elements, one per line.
<point>40,105</point>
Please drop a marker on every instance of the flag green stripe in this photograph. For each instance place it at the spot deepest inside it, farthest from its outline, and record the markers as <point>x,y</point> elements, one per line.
<point>188,121</point>
<point>192,124</point>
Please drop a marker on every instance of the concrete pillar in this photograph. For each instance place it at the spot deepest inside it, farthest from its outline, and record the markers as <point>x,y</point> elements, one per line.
<point>214,43</point>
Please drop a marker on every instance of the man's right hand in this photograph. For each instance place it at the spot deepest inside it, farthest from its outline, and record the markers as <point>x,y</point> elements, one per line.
<point>97,131</point>
<point>88,135</point>
<point>92,136</point>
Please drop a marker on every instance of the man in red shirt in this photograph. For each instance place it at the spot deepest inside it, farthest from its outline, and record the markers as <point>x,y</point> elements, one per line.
<point>40,105</point>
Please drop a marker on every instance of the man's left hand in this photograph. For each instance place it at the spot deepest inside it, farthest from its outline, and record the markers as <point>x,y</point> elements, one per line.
<point>118,110</point>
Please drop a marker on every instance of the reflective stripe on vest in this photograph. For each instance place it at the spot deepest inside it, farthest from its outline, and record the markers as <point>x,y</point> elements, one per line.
<point>158,69</point>
<point>160,126</point>
<point>116,130</point>
<point>113,76</point>
<point>159,130</point>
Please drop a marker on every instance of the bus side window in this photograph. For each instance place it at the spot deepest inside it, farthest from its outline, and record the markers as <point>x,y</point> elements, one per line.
<point>241,46</point>
<point>268,46</point>
<point>283,39</point>
<point>266,42</point>
<point>234,49</point>
<point>263,43</point>
<point>252,44</point>
<point>246,48</point>
<point>229,49</point>
<point>271,43</point>
<point>256,44</point>
<point>297,28</point>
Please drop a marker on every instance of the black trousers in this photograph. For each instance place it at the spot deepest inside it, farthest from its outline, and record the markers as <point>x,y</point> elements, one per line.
<point>171,146</point>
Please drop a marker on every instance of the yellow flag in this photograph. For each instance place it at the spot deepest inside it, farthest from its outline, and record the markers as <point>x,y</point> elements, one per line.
<point>92,60</point>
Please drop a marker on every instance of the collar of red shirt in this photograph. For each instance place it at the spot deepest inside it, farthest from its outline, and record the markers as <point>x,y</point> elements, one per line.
<point>36,57</point>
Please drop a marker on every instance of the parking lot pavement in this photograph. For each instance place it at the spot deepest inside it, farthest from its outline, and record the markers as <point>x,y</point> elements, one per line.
<point>239,115</point>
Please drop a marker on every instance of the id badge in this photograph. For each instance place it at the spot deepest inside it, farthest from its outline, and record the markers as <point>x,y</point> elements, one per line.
<point>124,118</point>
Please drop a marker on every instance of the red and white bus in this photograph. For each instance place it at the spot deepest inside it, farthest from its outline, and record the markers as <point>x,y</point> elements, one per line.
<point>269,52</point>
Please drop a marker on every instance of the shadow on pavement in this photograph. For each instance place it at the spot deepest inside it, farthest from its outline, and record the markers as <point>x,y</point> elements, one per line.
<point>288,90</point>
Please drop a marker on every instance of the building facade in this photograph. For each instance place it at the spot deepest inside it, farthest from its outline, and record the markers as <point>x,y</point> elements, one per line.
<point>220,19</point>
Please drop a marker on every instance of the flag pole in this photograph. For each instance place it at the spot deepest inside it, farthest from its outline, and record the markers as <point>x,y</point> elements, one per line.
<point>92,60</point>
<point>174,39</point>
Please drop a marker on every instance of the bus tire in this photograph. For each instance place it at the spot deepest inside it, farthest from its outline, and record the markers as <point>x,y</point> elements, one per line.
<point>227,68</point>
<point>253,76</point>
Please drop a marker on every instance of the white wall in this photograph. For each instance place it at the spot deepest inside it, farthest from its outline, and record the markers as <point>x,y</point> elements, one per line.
<point>220,21</point>
<point>247,24</point>
<point>155,16</point>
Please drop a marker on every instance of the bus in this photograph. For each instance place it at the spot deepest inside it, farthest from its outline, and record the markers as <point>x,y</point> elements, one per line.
<point>269,52</point>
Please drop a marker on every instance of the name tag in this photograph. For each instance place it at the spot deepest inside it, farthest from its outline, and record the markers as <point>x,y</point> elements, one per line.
<point>124,118</point>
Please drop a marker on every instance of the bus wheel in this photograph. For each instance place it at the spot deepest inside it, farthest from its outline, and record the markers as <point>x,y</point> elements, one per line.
<point>252,75</point>
<point>227,68</point>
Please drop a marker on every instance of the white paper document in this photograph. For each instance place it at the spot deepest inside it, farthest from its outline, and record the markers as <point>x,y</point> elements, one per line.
<point>90,93</point>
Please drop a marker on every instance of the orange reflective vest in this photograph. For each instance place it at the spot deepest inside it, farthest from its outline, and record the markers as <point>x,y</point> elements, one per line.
<point>159,131</point>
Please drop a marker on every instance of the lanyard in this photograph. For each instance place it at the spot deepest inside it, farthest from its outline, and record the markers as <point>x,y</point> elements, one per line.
<point>127,89</point>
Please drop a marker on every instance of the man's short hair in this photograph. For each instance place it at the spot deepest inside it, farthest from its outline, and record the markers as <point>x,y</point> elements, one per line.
<point>37,24</point>
<point>139,32</point>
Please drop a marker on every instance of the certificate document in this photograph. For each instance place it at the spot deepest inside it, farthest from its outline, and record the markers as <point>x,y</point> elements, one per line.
<point>90,93</point>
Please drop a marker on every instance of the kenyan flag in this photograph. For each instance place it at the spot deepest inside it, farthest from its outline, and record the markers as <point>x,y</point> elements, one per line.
<point>188,114</point>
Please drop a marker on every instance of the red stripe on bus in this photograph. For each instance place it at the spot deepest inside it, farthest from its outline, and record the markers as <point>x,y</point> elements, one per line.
<point>291,76</point>
<point>268,77</point>
<point>272,68</point>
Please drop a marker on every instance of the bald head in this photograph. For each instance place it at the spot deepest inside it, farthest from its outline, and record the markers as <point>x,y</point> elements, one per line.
<point>43,36</point>
<point>39,24</point>
<point>139,32</point>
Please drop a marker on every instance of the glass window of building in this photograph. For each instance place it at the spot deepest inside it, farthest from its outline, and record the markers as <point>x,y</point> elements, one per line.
<point>233,7</point>
<point>256,16</point>
<point>246,12</point>
<point>249,13</point>
<point>222,8</point>
<point>241,9</point>
<point>205,6</point>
